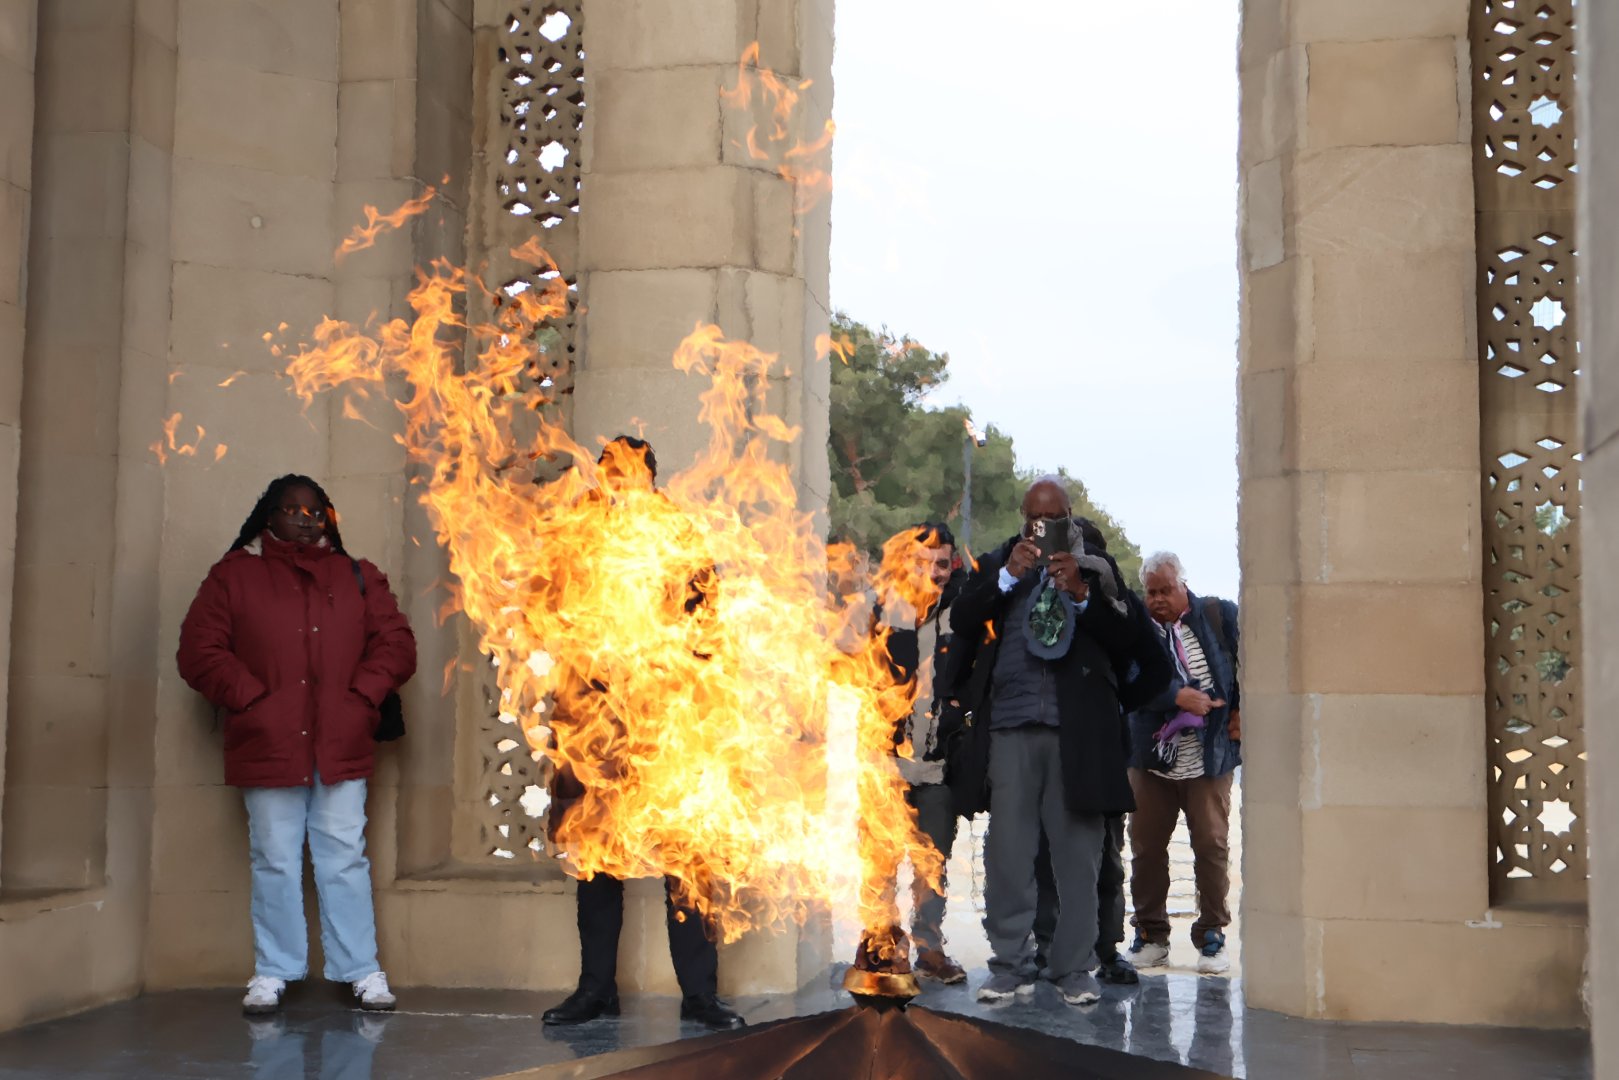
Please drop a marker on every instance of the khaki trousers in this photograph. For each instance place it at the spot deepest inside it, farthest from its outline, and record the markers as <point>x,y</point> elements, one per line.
<point>1159,804</point>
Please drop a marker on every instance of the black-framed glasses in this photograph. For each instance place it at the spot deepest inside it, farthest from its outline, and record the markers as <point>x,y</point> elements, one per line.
<point>303,515</point>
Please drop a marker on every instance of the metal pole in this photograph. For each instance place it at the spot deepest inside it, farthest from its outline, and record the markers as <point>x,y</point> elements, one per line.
<point>967,491</point>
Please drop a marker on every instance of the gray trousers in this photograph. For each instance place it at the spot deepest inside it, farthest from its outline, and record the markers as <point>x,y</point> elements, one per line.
<point>1109,896</point>
<point>936,817</point>
<point>1026,796</point>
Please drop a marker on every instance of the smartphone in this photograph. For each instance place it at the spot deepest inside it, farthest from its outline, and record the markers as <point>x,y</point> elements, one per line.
<point>1050,536</point>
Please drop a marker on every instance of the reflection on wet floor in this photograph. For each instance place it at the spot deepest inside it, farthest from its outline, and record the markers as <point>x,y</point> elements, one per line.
<point>337,1051</point>
<point>478,1033</point>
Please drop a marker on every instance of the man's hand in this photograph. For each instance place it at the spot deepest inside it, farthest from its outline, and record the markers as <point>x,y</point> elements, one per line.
<point>1025,553</point>
<point>1235,726</point>
<point>1064,571</point>
<point>1196,702</point>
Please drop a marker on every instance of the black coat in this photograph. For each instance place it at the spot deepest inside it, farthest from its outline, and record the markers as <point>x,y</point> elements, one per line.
<point>1114,664</point>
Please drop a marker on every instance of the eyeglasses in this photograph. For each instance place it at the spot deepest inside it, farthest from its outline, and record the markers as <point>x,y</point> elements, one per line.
<point>304,515</point>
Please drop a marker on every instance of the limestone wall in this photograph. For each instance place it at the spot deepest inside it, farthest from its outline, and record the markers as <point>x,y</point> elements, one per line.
<point>17,37</point>
<point>78,740</point>
<point>682,226</point>
<point>1366,863</point>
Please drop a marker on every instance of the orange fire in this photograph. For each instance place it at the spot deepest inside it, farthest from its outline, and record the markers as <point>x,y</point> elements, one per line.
<point>842,347</point>
<point>376,223</point>
<point>777,141</point>
<point>673,650</point>
<point>171,443</point>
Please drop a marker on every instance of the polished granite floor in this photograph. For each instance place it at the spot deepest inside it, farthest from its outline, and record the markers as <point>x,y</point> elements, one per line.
<point>476,1033</point>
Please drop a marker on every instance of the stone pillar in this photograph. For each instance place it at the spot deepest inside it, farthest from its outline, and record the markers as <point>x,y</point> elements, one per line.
<point>404,120</point>
<point>89,522</point>
<point>1599,331</point>
<point>60,665</point>
<point>681,226</point>
<point>17,36</point>
<point>1366,892</point>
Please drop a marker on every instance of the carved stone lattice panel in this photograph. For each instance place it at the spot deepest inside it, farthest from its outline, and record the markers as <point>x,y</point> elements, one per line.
<point>1526,176</point>
<point>527,185</point>
<point>517,785</point>
<point>1523,95</point>
<point>532,105</point>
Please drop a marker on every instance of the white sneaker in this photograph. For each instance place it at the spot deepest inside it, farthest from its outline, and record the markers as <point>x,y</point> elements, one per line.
<point>1213,959</point>
<point>371,1028</point>
<point>263,995</point>
<point>265,1028</point>
<point>373,993</point>
<point>1148,954</point>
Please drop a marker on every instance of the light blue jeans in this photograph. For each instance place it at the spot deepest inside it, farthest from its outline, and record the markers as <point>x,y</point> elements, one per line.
<point>333,818</point>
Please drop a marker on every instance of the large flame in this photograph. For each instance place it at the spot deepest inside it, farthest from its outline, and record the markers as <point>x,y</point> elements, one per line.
<point>715,713</point>
<point>673,650</point>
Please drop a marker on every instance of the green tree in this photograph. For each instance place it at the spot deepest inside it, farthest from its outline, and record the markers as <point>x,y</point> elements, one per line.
<point>896,462</point>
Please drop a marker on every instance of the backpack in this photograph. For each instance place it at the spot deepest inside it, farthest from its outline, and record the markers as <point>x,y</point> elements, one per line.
<point>1215,614</point>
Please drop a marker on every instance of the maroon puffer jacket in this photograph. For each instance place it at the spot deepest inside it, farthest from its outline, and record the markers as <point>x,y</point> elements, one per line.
<point>281,639</point>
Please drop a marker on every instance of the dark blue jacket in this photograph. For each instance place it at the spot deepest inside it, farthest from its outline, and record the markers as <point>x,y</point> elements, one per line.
<point>1221,754</point>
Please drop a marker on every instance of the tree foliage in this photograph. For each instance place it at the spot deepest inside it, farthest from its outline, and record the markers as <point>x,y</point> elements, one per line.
<point>896,462</point>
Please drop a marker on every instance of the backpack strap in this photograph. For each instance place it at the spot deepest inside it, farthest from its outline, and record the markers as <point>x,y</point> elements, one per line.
<point>1215,614</point>
<point>359,578</point>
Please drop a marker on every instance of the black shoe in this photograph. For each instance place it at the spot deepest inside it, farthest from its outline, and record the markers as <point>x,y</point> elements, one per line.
<point>1118,971</point>
<point>711,1012</point>
<point>581,1007</point>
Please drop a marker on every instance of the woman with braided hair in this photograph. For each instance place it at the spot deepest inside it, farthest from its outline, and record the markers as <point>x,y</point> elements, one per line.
<point>297,644</point>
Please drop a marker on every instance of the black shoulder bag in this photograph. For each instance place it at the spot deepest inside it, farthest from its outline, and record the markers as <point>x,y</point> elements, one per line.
<point>391,713</point>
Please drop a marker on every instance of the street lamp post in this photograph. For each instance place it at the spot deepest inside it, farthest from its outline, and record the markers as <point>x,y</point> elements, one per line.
<point>975,438</point>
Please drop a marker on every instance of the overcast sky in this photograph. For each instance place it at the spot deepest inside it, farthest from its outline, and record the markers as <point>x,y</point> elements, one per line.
<point>1046,190</point>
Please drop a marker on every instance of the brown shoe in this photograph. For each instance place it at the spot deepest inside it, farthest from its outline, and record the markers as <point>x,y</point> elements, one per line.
<point>933,964</point>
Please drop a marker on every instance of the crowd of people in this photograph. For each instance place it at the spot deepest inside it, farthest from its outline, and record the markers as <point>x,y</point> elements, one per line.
<point>1047,693</point>
<point>1051,695</point>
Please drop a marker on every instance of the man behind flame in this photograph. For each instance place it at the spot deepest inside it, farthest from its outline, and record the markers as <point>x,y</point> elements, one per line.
<point>1064,641</point>
<point>627,465</point>
<point>914,604</point>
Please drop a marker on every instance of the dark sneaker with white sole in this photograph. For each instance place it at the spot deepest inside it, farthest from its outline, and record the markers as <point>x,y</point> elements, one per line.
<point>1117,971</point>
<point>1213,958</point>
<point>1005,987</point>
<point>1079,988</point>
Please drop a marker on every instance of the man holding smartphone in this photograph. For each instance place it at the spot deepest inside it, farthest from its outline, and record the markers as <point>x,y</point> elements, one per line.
<point>1058,640</point>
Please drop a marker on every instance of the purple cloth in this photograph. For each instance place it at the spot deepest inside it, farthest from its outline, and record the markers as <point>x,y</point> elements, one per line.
<point>1183,722</point>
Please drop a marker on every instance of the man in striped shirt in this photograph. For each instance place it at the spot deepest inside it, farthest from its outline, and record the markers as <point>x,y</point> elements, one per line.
<point>1184,749</point>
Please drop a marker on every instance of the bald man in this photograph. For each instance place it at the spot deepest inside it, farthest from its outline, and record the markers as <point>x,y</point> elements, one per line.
<point>1063,636</point>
